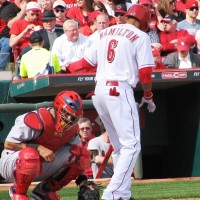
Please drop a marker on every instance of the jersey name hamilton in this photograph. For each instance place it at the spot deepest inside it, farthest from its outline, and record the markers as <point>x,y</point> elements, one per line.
<point>124,32</point>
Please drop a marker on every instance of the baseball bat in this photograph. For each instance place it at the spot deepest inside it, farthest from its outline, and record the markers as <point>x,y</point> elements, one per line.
<point>103,164</point>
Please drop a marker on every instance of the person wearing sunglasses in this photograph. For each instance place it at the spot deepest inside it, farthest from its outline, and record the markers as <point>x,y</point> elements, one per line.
<point>191,23</point>
<point>85,133</point>
<point>170,35</point>
<point>59,9</point>
<point>120,13</point>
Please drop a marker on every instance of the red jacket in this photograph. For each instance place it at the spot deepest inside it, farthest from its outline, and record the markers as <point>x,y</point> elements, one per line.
<point>166,38</point>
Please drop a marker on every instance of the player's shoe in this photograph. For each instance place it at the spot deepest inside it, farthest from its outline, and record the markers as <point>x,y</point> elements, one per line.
<point>39,194</point>
<point>15,196</point>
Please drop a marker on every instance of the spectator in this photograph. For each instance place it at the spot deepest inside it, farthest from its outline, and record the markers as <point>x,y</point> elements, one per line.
<point>112,3</point>
<point>36,61</point>
<point>120,13</point>
<point>99,147</point>
<point>152,31</point>
<point>22,29</point>
<point>165,7</point>
<point>45,5</point>
<point>70,46</point>
<point>183,59</point>
<point>85,130</point>
<point>191,23</point>
<point>82,12</point>
<point>59,8</point>
<point>169,36</point>
<point>102,23</point>
<point>8,15</point>
<point>87,30</point>
<point>98,5</point>
<point>157,58</point>
<point>49,32</point>
<point>85,133</point>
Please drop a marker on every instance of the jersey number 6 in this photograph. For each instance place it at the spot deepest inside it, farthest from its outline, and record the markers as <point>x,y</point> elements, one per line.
<point>111,52</point>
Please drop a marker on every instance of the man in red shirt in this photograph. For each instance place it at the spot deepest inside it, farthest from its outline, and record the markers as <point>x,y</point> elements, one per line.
<point>169,37</point>
<point>22,29</point>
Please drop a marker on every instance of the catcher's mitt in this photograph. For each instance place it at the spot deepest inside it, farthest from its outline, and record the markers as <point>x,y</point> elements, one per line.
<point>88,189</point>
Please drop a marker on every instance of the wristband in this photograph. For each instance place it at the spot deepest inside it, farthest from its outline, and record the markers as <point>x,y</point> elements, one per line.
<point>148,95</point>
<point>35,146</point>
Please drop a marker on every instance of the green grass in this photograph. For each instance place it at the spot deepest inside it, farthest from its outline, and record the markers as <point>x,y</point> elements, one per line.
<point>143,191</point>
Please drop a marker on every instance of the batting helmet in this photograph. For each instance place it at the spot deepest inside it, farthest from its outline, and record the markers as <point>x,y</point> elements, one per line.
<point>142,14</point>
<point>68,109</point>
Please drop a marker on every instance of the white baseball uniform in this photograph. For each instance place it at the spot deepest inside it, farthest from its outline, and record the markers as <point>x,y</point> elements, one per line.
<point>121,51</point>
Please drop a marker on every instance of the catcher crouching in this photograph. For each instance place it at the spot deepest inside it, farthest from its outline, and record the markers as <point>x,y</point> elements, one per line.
<point>43,145</point>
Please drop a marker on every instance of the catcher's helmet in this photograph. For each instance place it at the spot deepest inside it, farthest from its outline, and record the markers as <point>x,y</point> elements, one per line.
<point>142,14</point>
<point>68,109</point>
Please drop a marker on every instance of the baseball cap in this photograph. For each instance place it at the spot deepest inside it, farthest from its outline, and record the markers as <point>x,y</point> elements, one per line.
<point>146,2</point>
<point>155,51</point>
<point>120,8</point>
<point>59,3</point>
<point>35,37</point>
<point>191,4</point>
<point>33,6</point>
<point>48,14</point>
<point>183,44</point>
<point>168,18</point>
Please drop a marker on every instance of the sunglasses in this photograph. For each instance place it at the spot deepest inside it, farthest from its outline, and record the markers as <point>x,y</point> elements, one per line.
<point>59,10</point>
<point>85,128</point>
<point>119,14</point>
<point>194,8</point>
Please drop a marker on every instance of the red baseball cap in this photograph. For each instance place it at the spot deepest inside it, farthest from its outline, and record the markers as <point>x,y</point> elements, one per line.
<point>191,4</point>
<point>183,44</point>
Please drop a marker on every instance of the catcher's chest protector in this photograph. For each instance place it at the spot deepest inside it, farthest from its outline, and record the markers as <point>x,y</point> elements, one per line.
<point>48,138</point>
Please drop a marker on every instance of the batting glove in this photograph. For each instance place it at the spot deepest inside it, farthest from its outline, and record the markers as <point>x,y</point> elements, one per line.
<point>147,98</point>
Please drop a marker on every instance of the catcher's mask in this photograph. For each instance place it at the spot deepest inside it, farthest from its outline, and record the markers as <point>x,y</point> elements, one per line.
<point>68,109</point>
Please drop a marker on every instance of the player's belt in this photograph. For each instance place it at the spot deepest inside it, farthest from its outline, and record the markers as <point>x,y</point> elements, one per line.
<point>112,83</point>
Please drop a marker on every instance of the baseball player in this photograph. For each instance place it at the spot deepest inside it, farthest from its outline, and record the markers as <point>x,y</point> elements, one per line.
<point>42,146</point>
<point>123,55</point>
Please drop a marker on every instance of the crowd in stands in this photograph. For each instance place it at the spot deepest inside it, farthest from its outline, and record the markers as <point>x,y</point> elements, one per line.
<point>68,27</point>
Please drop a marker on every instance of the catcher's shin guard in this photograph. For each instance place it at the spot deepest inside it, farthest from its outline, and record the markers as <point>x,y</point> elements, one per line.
<point>72,170</point>
<point>27,167</point>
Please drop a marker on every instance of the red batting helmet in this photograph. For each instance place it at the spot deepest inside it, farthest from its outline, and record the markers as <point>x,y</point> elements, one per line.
<point>68,109</point>
<point>142,14</point>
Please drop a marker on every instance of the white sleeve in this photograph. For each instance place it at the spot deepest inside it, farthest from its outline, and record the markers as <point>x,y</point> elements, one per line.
<point>144,48</point>
<point>90,54</point>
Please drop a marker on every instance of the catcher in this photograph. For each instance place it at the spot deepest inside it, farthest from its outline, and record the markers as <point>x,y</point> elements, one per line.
<point>43,146</point>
